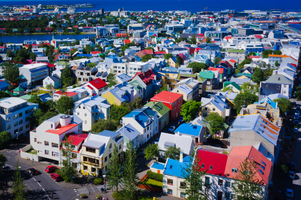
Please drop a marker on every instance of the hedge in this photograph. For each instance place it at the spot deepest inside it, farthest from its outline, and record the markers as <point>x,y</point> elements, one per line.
<point>155,176</point>
<point>97,181</point>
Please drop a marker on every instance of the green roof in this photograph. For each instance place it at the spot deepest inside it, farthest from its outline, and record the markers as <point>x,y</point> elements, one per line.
<point>236,51</point>
<point>8,92</point>
<point>201,79</point>
<point>159,107</point>
<point>206,74</point>
<point>227,83</point>
<point>186,75</point>
<point>244,74</point>
<point>18,89</point>
<point>136,85</point>
<point>26,97</point>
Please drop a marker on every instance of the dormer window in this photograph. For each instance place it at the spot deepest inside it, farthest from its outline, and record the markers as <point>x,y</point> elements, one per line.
<point>51,125</point>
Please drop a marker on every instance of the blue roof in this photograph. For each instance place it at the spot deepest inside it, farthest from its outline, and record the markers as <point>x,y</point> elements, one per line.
<point>3,85</point>
<point>187,90</point>
<point>129,131</point>
<point>142,115</point>
<point>189,129</point>
<point>119,94</point>
<point>175,167</point>
<point>269,101</point>
<point>108,133</point>
<point>159,166</point>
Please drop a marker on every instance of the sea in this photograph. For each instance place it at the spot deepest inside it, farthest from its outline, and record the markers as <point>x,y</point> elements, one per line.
<point>167,5</point>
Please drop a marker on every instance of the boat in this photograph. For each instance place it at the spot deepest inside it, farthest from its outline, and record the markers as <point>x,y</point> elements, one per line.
<point>294,22</point>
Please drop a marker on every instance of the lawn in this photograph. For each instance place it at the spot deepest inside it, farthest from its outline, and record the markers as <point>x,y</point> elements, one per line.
<point>154,182</point>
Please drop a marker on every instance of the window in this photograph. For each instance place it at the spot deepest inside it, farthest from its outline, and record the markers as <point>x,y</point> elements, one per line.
<point>8,119</point>
<point>55,154</point>
<point>16,123</point>
<point>211,166</point>
<point>169,191</point>
<point>220,182</point>
<point>203,165</point>
<point>233,185</point>
<point>15,116</point>
<point>119,146</point>
<point>278,87</point>
<point>169,181</point>
<point>21,121</point>
<point>35,139</point>
<point>85,167</point>
<point>263,163</point>
<point>85,121</point>
<point>110,155</point>
<point>182,185</point>
<point>234,170</point>
<point>213,109</point>
<point>183,195</point>
<point>106,158</point>
<point>90,150</point>
<point>9,126</point>
<point>27,125</point>
<point>46,152</point>
<point>20,114</point>
<point>85,114</point>
<point>27,119</point>
<point>21,129</point>
<point>46,143</point>
<point>207,180</point>
<point>227,184</point>
<point>110,146</point>
<point>93,169</point>
<point>16,131</point>
<point>233,196</point>
<point>228,195</point>
<point>55,145</point>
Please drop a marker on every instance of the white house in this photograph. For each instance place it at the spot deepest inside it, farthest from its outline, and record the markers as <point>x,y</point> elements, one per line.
<point>54,80</point>
<point>34,73</point>
<point>96,86</point>
<point>14,115</point>
<point>129,133</point>
<point>90,110</point>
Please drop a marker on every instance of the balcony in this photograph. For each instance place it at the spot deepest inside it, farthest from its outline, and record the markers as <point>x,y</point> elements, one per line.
<point>90,163</point>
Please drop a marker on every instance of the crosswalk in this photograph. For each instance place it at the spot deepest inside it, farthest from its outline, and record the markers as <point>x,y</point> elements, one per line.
<point>88,190</point>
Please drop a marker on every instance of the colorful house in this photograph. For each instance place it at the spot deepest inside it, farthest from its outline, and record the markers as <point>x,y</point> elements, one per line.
<point>162,111</point>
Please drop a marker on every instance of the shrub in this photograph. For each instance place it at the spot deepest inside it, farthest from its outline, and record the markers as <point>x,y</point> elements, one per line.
<point>98,181</point>
<point>155,176</point>
<point>118,195</point>
<point>82,195</point>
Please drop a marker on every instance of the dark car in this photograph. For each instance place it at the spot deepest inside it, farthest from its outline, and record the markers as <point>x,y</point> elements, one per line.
<point>56,177</point>
<point>172,128</point>
<point>50,169</point>
<point>33,171</point>
<point>293,166</point>
<point>6,168</point>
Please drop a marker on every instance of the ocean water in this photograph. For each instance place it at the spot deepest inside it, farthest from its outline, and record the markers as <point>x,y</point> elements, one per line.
<point>165,5</point>
<point>296,26</point>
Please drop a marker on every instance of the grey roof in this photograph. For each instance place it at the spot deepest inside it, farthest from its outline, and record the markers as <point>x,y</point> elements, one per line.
<point>239,81</point>
<point>129,131</point>
<point>55,78</point>
<point>107,133</point>
<point>93,144</point>
<point>185,143</point>
<point>279,78</point>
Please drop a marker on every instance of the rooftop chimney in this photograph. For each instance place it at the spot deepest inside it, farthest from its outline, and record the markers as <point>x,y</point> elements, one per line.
<point>181,157</point>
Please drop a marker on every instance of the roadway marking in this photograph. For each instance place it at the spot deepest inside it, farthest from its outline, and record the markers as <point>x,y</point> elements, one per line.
<point>42,188</point>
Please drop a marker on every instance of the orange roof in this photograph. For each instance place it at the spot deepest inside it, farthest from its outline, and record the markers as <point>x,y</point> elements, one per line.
<point>220,70</point>
<point>278,56</point>
<point>127,41</point>
<point>61,130</point>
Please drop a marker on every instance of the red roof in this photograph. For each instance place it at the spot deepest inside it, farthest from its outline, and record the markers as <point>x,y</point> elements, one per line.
<point>147,77</point>
<point>214,163</point>
<point>61,130</point>
<point>293,64</point>
<point>254,57</point>
<point>98,83</point>
<point>95,52</point>
<point>166,96</point>
<point>127,41</point>
<point>69,94</point>
<point>160,52</point>
<point>258,36</point>
<point>220,70</point>
<point>76,139</point>
<point>228,37</point>
<point>148,51</point>
<point>232,61</point>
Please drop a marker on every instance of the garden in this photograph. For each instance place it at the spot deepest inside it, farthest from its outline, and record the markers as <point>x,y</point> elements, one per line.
<point>152,181</point>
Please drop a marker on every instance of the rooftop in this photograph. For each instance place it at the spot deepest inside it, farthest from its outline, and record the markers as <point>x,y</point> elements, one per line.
<point>189,129</point>
<point>10,102</point>
<point>166,96</point>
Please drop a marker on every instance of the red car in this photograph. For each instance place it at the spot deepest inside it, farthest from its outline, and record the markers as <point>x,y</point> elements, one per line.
<point>50,169</point>
<point>56,177</point>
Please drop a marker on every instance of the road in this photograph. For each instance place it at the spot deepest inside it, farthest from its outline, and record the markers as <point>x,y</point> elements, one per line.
<point>41,186</point>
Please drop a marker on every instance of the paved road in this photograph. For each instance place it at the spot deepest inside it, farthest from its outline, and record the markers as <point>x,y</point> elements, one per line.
<point>41,186</point>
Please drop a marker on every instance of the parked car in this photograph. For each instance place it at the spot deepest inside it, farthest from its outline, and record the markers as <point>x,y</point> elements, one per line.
<point>50,169</point>
<point>289,193</point>
<point>171,128</point>
<point>293,166</point>
<point>56,177</point>
<point>295,130</point>
<point>33,171</point>
<point>296,117</point>
<point>297,112</point>
<point>6,168</point>
<point>292,174</point>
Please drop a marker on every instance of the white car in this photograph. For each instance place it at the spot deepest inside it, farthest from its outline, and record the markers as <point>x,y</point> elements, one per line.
<point>289,193</point>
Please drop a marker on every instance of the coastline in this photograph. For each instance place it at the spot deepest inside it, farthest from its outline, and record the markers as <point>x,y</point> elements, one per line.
<point>50,33</point>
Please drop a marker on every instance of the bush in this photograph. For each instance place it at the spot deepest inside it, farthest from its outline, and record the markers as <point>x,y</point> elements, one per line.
<point>98,181</point>
<point>118,195</point>
<point>155,176</point>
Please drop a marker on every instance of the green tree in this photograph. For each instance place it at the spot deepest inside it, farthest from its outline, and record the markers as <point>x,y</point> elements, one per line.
<point>112,80</point>
<point>11,73</point>
<point>190,109</point>
<point>277,63</point>
<point>267,73</point>
<point>114,173</point>
<point>277,52</point>
<point>192,40</point>
<point>284,104</point>
<point>197,67</point>
<point>247,185</point>
<point>265,54</point>
<point>257,76</point>
<point>3,94</point>
<point>179,60</point>
<point>46,116</point>
<point>10,54</point>
<point>173,152</point>
<point>248,87</point>
<point>101,125</point>
<point>208,40</point>
<point>3,160</point>
<point>130,178</point>
<point>4,139</point>
<point>65,105</point>
<point>18,183</point>
<point>68,171</point>
<point>227,89</point>
<point>168,56</point>
<point>243,100</point>
<point>193,175</point>
<point>67,76</point>
<point>92,65</point>
<point>217,60</point>
<point>215,122</point>
<point>88,49</point>
<point>117,112</point>
<point>32,56</point>
<point>151,151</point>
<point>146,58</point>
<point>297,93</point>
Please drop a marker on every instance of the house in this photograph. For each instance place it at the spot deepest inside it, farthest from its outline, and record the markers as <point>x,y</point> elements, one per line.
<point>129,134</point>
<point>277,83</point>
<point>54,80</point>
<point>215,104</point>
<point>97,151</point>
<point>121,78</point>
<point>149,79</point>
<point>211,77</point>
<point>273,58</point>
<point>90,110</point>
<point>196,132</point>
<point>86,74</point>
<point>172,62</point>
<point>162,112</point>
<point>96,86</point>
<point>57,95</point>
<point>172,100</point>
<point>254,129</point>
<point>34,73</point>
<point>18,91</point>
<point>189,87</point>
<point>220,71</point>
<point>184,142</point>
<point>3,85</point>
<point>239,54</point>
<point>118,95</point>
<point>15,114</point>
<point>232,86</point>
<point>145,120</point>
<point>47,138</point>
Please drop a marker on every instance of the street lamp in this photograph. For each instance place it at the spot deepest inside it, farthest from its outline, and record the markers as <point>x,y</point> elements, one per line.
<point>104,177</point>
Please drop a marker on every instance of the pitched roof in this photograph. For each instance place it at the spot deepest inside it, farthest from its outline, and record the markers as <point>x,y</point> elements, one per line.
<point>76,139</point>
<point>98,83</point>
<point>167,97</point>
<point>175,167</point>
<point>227,83</point>
<point>69,94</point>
<point>189,129</point>
<point>236,51</point>
<point>129,131</point>
<point>147,77</point>
<point>159,107</point>
<point>60,130</point>
<point>279,78</point>
<point>206,74</point>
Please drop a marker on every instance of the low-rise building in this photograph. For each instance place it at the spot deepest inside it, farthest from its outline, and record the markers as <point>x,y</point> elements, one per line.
<point>96,87</point>
<point>34,73</point>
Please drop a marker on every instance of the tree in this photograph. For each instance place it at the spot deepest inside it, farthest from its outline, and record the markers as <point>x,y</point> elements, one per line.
<point>3,160</point>
<point>193,175</point>
<point>190,109</point>
<point>32,56</point>
<point>102,124</point>
<point>10,54</point>
<point>267,73</point>
<point>217,60</point>
<point>130,178</point>
<point>151,151</point>
<point>197,67</point>
<point>11,73</point>
<point>173,152</point>
<point>265,54</point>
<point>277,63</point>
<point>227,89</point>
<point>65,105</point>
<point>257,76</point>
<point>18,183</point>
<point>112,80</point>
<point>67,76</point>
<point>92,65</point>
<point>114,173</point>
<point>192,40</point>
<point>145,58</point>
<point>244,99</point>
<point>117,112</point>
<point>248,87</point>
<point>4,139</point>
<point>3,94</point>
<point>284,104</point>
<point>215,122</point>
<point>247,185</point>
<point>179,60</point>
<point>297,93</point>
<point>88,49</point>
<point>46,116</point>
<point>208,40</point>
<point>168,56</point>
<point>67,150</point>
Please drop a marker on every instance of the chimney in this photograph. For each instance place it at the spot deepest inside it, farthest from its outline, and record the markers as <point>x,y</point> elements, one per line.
<point>181,157</point>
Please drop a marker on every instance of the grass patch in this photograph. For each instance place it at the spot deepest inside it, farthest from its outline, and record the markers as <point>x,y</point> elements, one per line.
<point>34,152</point>
<point>154,182</point>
